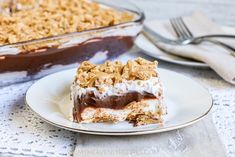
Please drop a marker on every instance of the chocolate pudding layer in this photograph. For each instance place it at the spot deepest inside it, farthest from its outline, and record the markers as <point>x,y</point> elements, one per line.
<point>34,62</point>
<point>112,102</point>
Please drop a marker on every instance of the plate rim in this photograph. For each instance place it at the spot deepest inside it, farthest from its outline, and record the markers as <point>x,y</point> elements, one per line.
<point>123,133</point>
<point>185,63</point>
<point>169,60</point>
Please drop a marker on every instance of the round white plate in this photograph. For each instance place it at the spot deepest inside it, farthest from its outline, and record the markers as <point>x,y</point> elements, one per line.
<point>149,49</point>
<point>186,100</point>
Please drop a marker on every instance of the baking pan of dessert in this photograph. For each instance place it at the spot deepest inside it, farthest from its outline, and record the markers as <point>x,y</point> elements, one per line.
<point>40,37</point>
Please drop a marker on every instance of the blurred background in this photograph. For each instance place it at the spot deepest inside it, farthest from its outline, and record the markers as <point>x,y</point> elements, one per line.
<point>221,11</point>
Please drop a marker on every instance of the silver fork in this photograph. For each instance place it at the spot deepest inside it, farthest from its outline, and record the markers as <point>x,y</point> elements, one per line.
<point>186,36</point>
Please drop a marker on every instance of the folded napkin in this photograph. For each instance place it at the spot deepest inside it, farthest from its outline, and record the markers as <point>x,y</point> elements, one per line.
<point>217,57</point>
<point>200,139</point>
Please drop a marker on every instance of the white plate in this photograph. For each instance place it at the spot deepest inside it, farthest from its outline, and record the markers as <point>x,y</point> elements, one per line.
<point>187,102</point>
<point>149,49</point>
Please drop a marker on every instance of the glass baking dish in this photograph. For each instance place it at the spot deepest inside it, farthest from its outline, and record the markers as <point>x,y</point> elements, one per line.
<point>68,50</point>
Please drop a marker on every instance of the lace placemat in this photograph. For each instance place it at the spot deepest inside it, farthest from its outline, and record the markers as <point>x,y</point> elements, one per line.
<point>24,133</point>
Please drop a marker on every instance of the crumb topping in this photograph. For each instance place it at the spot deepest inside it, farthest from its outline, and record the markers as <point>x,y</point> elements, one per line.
<point>23,20</point>
<point>110,73</point>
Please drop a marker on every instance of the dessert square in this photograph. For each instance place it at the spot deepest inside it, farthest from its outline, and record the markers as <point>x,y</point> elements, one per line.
<point>114,92</point>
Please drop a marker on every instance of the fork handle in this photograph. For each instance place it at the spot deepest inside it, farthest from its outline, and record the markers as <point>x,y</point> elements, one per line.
<point>228,47</point>
<point>217,36</point>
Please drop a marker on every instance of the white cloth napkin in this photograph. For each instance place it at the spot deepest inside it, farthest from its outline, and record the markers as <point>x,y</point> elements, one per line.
<point>218,58</point>
<point>200,139</point>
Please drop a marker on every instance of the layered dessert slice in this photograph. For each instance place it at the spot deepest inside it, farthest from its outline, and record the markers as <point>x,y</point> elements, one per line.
<point>113,92</point>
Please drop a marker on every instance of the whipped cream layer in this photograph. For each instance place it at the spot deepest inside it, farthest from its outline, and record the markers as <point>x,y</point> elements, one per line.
<point>151,86</point>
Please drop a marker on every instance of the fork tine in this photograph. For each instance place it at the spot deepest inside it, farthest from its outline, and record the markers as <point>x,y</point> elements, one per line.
<point>175,27</point>
<point>178,28</point>
<point>184,27</point>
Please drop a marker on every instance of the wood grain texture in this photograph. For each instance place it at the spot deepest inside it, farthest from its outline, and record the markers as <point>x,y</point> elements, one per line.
<point>221,11</point>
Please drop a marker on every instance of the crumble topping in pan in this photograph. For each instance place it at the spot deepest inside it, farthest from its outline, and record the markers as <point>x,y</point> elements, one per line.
<point>23,20</point>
